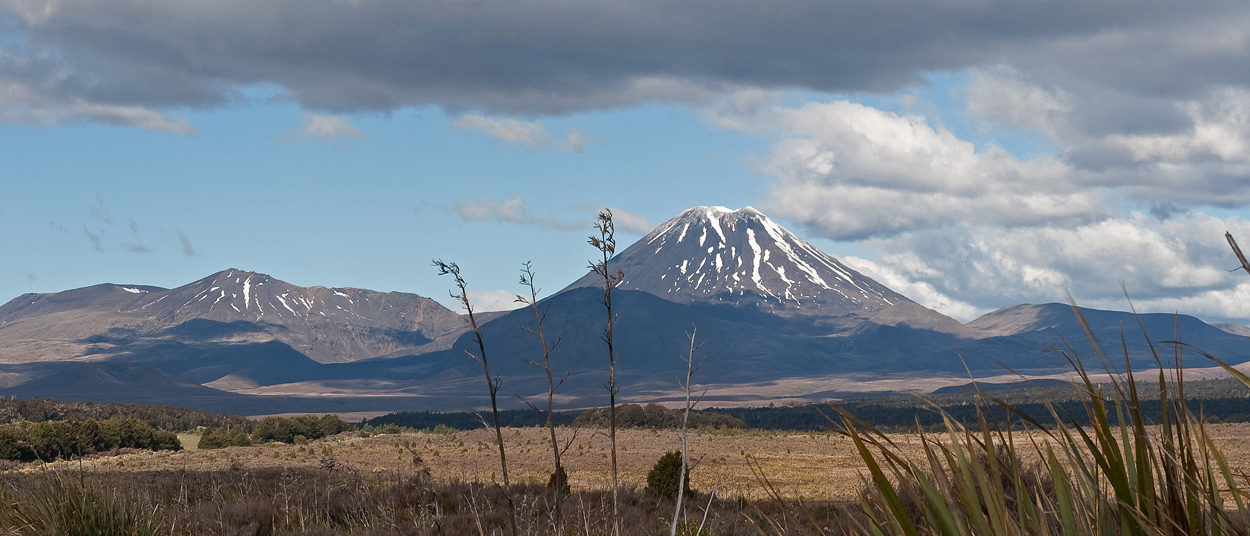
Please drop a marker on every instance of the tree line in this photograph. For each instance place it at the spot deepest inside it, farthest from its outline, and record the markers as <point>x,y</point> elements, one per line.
<point>51,440</point>
<point>651,415</point>
<point>280,429</point>
<point>164,417</point>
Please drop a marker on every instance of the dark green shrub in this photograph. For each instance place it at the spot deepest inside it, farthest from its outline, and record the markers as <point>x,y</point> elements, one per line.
<point>563,481</point>
<point>125,432</point>
<point>217,438</point>
<point>657,417</point>
<point>332,424</point>
<point>165,440</point>
<point>284,429</point>
<point>51,440</point>
<point>11,445</point>
<point>665,474</point>
<point>88,436</point>
<point>273,429</point>
<point>162,417</point>
<point>629,416</point>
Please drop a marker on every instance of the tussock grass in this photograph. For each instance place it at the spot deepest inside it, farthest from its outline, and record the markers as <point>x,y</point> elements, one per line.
<point>1119,475</point>
<point>322,502</point>
<point>60,503</point>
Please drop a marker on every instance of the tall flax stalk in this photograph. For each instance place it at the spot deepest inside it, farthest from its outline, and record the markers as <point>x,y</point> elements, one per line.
<point>559,477</point>
<point>606,244</point>
<point>492,384</point>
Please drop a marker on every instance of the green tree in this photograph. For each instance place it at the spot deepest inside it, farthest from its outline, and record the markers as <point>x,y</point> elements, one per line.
<point>666,475</point>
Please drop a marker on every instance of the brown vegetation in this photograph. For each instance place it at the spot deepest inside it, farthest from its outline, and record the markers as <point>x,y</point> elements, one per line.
<point>818,466</point>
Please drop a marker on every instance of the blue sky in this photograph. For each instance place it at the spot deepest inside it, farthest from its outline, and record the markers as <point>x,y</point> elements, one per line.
<point>366,212</point>
<point>968,156</point>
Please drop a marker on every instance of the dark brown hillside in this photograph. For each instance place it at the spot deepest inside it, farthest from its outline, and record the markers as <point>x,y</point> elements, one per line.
<point>326,324</point>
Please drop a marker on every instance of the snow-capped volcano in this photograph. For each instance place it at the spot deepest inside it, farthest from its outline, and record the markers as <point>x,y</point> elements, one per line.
<point>741,258</point>
<point>326,324</point>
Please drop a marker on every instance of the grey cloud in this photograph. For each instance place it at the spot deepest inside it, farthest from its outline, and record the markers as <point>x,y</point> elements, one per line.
<point>94,238</point>
<point>53,95</point>
<point>132,57</point>
<point>1194,151</point>
<point>99,212</point>
<point>188,249</point>
<point>1167,210</point>
<point>136,248</point>
<point>513,210</point>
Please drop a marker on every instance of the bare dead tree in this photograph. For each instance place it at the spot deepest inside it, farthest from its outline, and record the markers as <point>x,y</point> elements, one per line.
<point>691,368</point>
<point>492,384</point>
<point>1245,265</point>
<point>559,477</point>
<point>606,244</point>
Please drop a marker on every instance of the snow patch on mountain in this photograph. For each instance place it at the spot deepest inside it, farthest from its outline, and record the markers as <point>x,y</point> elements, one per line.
<point>742,258</point>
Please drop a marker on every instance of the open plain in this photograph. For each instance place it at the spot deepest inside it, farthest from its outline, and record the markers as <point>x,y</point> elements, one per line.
<point>818,466</point>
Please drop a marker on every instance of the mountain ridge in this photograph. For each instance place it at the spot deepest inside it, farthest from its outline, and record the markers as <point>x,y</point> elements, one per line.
<point>776,314</point>
<point>741,265</point>
<point>326,324</point>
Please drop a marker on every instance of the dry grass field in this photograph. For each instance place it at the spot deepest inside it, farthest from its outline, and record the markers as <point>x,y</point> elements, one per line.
<point>815,466</point>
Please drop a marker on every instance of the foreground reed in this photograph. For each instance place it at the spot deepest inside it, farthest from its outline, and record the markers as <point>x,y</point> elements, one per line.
<point>1119,475</point>
<point>323,503</point>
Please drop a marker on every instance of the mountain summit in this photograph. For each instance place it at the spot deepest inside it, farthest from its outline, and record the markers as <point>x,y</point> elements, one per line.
<point>328,325</point>
<point>740,262</point>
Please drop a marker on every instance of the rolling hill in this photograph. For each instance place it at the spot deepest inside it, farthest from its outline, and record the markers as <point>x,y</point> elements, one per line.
<point>775,317</point>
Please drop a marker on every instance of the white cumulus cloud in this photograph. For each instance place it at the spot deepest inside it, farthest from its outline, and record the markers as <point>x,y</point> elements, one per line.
<point>624,220</point>
<point>966,228</point>
<point>323,128</point>
<point>531,135</point>
<point>1165,264</point>
<point>24,103</point>
<point>491,300</point>
<point>513,210</point>
<point>922,292</point>
<point>851,171</point>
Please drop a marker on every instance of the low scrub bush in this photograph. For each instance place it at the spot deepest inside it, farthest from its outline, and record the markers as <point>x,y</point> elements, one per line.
<point>284,429</point>
<point>217,438</point>
<point>280,429</point>
<point>51,440</point>
<point>665,476</point>
<point>559,479</point>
